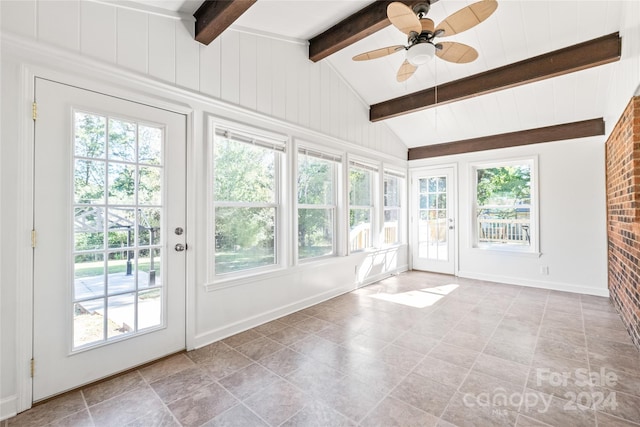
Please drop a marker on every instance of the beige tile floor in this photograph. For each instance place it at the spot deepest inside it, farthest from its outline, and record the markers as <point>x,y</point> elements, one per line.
<point>417,349</point>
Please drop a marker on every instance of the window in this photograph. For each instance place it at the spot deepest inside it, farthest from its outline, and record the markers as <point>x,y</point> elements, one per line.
<point>316,186</point>
<point>246,200</point>
<point>504,206</point>
<point>361,204</point>
<point>393,184</point>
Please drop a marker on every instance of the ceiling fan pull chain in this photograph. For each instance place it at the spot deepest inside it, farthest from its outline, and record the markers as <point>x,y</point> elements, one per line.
<point>435,66</point>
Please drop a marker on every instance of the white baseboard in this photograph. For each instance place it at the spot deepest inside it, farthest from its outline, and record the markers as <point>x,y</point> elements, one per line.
<point>267,316</point>
<point>555,286</point>
<point>226,331</point>
<point>8,407</point>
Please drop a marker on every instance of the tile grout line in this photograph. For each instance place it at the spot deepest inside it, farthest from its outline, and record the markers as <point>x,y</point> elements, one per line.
<point>86,405</point>
<point>257,362</point>
<point>388,394</point>
<point>346,375</point>
<point>481,352</point>
<point>586,347</point>
<point>439,341</point>
<point>544,313</point>
<point>164,405</point>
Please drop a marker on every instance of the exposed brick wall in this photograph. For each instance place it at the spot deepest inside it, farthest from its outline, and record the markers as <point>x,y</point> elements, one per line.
<point>623,217</point>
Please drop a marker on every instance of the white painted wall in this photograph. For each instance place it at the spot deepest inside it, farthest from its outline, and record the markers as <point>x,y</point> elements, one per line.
<point>149,57</point>
<point>572,212</point>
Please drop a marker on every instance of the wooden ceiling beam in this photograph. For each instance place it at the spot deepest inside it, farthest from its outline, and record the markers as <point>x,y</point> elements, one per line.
<point>593,127</point>
<point>215,16</point>
<point>602,50</point>
<point>361,24</point>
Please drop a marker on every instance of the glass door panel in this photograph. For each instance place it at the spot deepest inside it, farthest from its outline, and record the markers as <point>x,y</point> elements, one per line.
<point>432,219</point>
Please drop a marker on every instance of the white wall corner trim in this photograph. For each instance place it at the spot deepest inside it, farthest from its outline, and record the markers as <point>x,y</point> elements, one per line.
<point>602,291</point>
<point>8,407</point>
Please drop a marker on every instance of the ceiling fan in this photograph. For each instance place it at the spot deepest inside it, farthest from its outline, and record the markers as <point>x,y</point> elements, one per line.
<point>422,33</point>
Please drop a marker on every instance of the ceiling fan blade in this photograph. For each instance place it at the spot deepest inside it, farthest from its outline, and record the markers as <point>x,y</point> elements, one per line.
<point>458,53</point>
<point>403,18</point>
<point>406,70</point>
<point>378,53</point>
<point>467,17</point>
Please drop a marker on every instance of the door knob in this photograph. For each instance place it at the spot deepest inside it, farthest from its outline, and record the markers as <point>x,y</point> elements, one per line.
<point>179,247</point>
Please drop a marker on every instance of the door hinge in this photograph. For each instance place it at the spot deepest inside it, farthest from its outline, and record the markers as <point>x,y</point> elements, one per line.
<point>33,367</point>
<point>33,238</point>
<point>34,110</point>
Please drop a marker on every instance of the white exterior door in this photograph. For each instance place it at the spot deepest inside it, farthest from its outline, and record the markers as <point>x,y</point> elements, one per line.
<point>433,220</point>
<point>109,268</point>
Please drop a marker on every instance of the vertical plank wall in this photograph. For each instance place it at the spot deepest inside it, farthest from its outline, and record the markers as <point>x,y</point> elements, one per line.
<point>263,74</point>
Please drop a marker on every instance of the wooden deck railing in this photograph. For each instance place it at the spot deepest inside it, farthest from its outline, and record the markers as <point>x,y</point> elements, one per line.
<point>491,230</point>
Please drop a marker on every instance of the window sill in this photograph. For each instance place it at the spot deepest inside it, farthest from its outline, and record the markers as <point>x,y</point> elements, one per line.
<point>230,282</point>
<point>283,271</point>
<point>508,251</point>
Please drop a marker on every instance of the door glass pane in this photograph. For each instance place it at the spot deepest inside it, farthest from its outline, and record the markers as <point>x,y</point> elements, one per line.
<point>149,226</point>
<point>122,140</point>
<point>120,272</point>
<point>121,311</point>
<point>149,268</point>
<point>88,224</point>
<point>149,308</point>
<point>88,180</point>
<point>89,275</point>
<point>90,135</point>
<point>149,191</point>
<point>150,145</point>
<point>122,184</point>
<point>117,228</point>
<point>88,322</point>
<point>432,223</point>
<point>121,228</point>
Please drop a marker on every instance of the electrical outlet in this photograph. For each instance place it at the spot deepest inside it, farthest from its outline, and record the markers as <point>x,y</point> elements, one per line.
<point>544,270</point>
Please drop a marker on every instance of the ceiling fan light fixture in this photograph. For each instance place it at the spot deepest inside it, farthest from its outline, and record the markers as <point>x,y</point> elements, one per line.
<point>421,53</point>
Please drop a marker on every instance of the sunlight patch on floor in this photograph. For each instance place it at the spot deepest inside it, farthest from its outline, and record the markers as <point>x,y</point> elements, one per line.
<point>420,298</point>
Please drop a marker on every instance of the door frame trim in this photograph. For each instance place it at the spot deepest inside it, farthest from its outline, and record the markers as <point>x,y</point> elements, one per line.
<point>413,172</point>
<point>112,86</point>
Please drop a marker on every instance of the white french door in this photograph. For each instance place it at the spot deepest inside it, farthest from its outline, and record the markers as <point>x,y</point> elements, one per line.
<point>109,214</point>
<point>433,220</point>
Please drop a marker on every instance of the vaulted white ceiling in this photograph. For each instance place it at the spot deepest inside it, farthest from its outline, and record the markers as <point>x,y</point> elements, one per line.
<point>519,29</point>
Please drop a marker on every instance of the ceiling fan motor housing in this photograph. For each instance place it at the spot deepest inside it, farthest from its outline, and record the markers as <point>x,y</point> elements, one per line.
<point>421,53</point>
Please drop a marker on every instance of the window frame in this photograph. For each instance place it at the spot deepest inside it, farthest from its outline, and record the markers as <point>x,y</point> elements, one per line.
<point>374,168</point>
<point>338,160</point>
<point>534,233</point>
<point>280,145</point>
<point>401,208</point>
